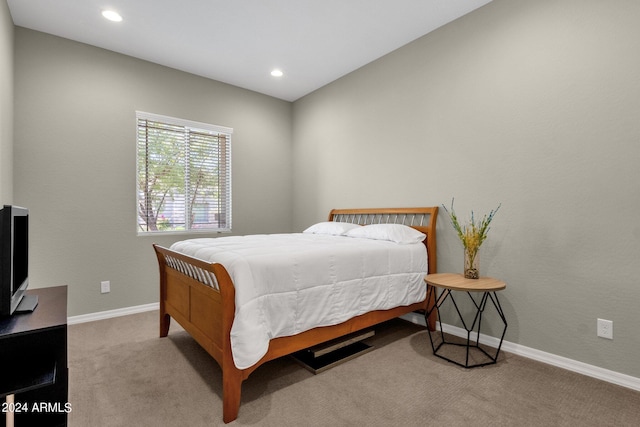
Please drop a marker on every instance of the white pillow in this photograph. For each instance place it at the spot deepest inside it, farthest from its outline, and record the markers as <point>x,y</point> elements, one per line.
<point>393,232</point>
<point>331,227</point>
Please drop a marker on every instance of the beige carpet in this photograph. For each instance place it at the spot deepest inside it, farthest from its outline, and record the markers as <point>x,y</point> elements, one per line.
<point>122,374</point>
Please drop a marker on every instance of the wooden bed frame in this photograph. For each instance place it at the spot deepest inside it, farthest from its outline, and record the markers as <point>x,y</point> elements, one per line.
<point>200,296</point>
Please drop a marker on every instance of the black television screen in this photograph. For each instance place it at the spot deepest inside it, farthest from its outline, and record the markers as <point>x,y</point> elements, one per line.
<point>14,257</point>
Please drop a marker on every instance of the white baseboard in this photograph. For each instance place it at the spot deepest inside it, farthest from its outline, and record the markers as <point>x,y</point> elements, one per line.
<point>562,362</point>
<point>101,315</point>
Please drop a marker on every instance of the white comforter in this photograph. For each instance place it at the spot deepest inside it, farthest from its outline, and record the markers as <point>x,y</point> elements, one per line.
<point>289,283</point>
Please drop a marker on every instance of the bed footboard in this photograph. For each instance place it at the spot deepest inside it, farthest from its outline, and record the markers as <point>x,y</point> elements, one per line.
<point>200,296</point>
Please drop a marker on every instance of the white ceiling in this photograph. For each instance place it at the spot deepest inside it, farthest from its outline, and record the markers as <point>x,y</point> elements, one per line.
<point>239,42</point>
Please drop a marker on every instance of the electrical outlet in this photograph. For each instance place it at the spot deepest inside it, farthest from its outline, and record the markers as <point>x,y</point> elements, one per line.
<point>605,328</point>
<point>105,287</point>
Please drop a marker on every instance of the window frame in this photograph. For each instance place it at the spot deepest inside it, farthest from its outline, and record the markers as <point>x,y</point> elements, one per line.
<point>198,127</point>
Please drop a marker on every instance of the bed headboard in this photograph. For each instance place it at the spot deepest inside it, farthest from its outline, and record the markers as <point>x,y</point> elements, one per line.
<point>422,219</point>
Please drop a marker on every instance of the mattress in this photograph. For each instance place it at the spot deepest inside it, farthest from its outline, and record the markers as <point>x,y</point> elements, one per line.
<point>289,283</point>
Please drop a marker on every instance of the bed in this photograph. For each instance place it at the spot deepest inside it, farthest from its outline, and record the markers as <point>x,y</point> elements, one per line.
<point>202,296</point>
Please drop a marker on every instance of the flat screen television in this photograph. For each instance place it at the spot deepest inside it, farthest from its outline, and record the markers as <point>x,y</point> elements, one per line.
<point>14,258</point>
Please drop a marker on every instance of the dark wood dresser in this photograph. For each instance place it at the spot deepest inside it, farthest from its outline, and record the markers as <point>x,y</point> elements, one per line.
<point>33,361</point>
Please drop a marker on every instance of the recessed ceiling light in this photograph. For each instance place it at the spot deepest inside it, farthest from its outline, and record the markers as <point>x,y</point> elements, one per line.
<point>277,73</point>
<point>111,15</point>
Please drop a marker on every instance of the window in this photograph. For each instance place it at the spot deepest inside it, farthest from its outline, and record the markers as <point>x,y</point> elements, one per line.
<point>184,175</point>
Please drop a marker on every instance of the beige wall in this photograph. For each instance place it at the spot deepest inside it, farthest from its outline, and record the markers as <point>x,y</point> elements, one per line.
<point>6,105</point>
<point>532,104</point>
<point>75,162</point>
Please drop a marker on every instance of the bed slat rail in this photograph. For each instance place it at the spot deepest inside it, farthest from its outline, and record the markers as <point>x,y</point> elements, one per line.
<point>201,272</point>
<point>412,220</point>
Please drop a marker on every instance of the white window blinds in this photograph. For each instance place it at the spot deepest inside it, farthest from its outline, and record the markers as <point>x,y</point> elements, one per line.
<point>184,175</point>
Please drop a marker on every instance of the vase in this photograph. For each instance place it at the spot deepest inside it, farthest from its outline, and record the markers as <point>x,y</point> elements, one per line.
<point>471,264</point>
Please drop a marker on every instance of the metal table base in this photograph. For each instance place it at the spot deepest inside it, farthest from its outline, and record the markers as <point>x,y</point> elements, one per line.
<point>470,344</point>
